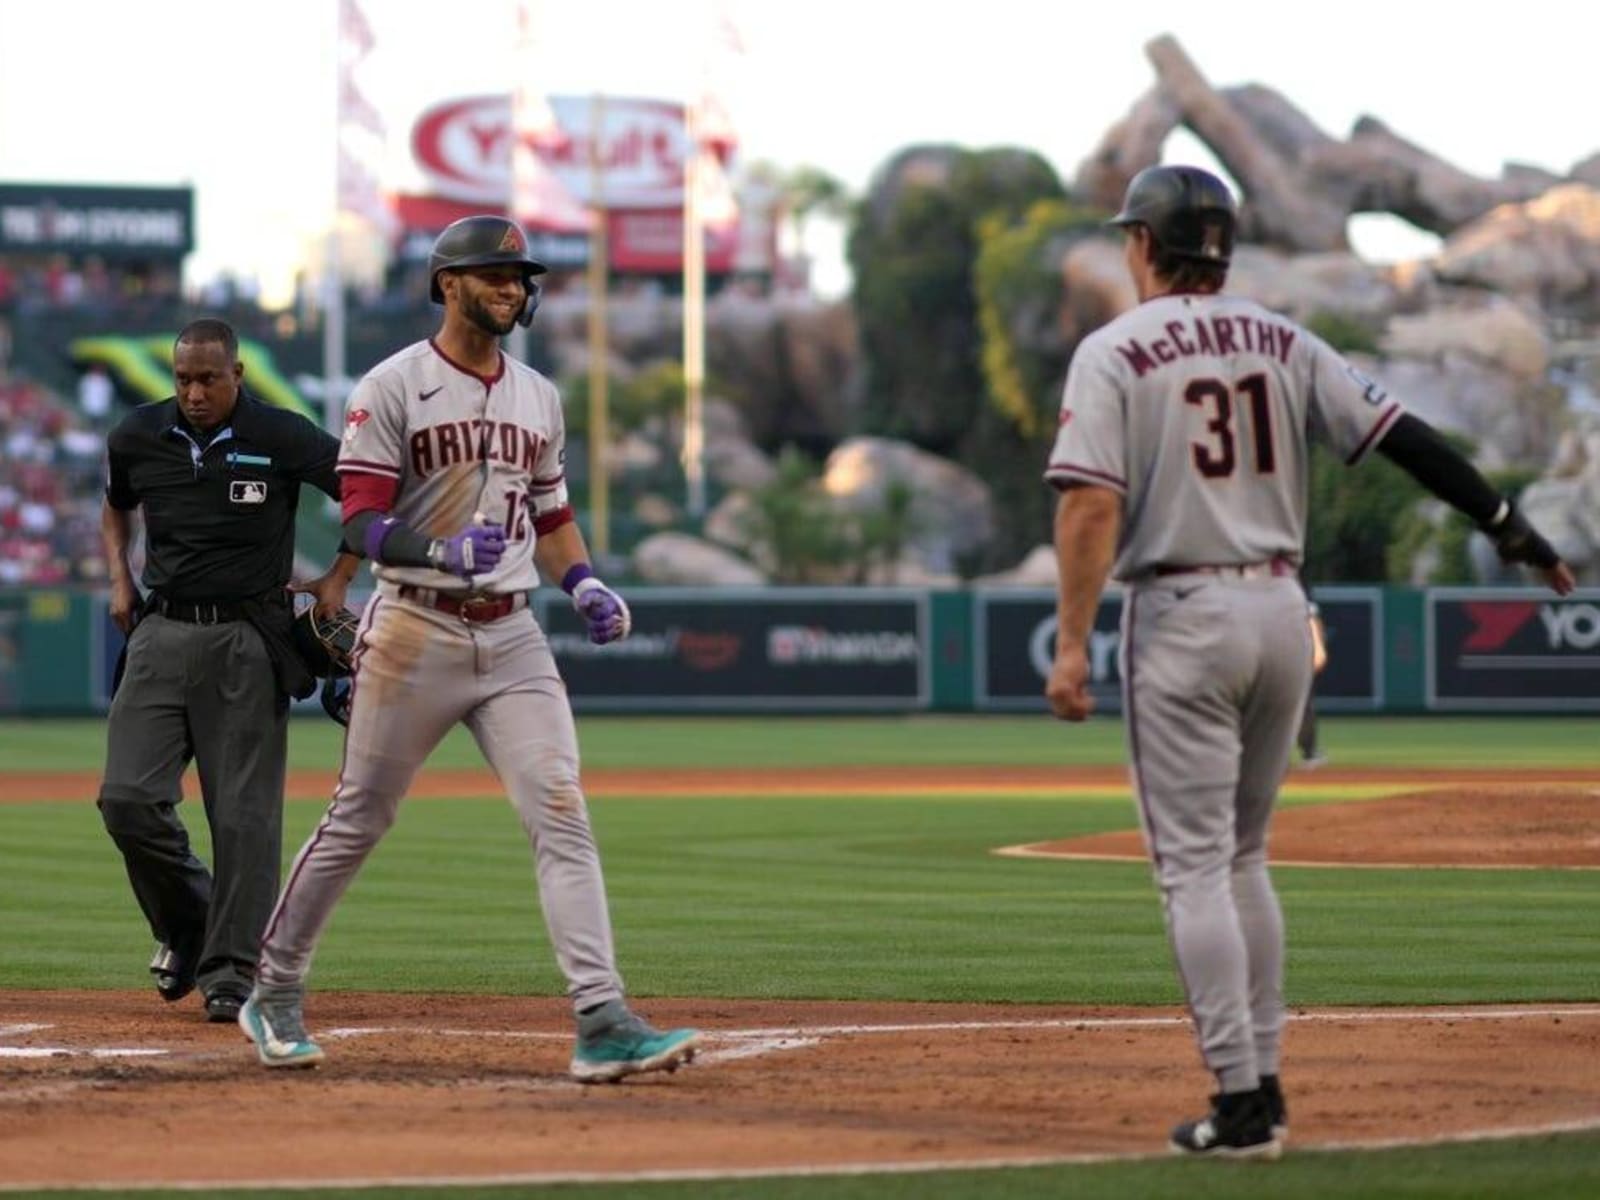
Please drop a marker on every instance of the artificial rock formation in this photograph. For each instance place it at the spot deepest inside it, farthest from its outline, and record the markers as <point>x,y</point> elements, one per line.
<point>1301,185</point>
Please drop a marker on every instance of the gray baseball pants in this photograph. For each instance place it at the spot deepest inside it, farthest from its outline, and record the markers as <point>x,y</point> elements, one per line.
<point>207,692</point>
<point>1215,672</point>
<point>419,672</point>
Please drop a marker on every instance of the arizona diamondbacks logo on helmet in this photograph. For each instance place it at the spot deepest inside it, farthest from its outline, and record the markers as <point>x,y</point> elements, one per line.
<point>485,241</point>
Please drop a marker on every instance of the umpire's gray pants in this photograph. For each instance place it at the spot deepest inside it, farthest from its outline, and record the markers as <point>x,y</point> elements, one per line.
<point>206,692</point>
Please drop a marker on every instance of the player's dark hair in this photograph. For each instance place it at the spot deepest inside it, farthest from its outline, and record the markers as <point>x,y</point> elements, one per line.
<point>208,330</point>
<point>1185,273</point>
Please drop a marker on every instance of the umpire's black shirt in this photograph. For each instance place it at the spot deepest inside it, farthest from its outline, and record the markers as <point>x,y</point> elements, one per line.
<point>218,510</point>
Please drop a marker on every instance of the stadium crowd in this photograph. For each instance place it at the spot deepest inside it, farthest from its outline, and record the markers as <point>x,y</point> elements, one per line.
<point>54,282</point>
<point>49,488</point>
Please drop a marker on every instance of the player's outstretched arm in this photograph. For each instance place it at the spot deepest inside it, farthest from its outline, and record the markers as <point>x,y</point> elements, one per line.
<point>1416,448</point>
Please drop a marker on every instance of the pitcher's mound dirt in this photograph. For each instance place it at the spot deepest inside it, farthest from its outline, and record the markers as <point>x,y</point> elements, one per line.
<point>1505,827</point>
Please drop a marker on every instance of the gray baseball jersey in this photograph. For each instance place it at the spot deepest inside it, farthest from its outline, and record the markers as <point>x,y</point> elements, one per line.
<point>1195,408</point>
<point>459,444</point>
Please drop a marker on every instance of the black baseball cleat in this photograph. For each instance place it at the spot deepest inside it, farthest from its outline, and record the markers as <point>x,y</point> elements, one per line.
<point>223,1007</point>
<point>1238,1126</point>
<point>1277,1110</point>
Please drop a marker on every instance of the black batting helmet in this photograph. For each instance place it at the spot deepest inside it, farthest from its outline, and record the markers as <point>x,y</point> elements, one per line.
<point>483,241</point>
<point>1190,212</point>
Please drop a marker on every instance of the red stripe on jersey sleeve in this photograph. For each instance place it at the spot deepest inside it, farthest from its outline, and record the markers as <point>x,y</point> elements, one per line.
<point>546,485</point>
<point>1375,434</point>
<point>362,491</point>
<point>361,466</point>
<point>553,520</point>
<point>1075,473</point>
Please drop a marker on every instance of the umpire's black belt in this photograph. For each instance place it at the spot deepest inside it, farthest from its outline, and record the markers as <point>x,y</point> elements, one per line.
<point>203,612</point>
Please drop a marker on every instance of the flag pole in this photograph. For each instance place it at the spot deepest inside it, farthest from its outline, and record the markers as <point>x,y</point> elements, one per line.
<point>522,63</point>
<point>694,312</point>
<point>599,276</point>
<point>333,364</point>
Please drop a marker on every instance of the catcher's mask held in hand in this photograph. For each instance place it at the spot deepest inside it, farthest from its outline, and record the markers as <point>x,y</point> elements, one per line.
<point>326,645</point>
<point>336,696</point>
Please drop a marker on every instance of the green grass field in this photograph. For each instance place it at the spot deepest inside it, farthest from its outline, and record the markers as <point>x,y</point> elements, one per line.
<point>874,898</point>
<point>610,741</point>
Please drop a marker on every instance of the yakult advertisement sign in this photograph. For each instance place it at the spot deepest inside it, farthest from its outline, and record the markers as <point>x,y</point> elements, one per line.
<point>464,148</point>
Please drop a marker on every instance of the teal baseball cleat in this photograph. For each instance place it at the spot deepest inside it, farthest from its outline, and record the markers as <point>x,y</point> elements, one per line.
<point>613,1042</point>
<point>278,1029</point>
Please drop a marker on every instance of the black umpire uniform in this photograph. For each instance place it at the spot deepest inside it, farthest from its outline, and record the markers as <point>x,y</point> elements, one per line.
<point>209,668</point>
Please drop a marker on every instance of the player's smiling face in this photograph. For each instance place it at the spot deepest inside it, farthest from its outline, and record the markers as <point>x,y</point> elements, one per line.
<point>491,297</point>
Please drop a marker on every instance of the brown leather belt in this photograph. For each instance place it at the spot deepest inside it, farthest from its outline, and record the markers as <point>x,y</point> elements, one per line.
<point>1273,568</point>
<point>472,609</point>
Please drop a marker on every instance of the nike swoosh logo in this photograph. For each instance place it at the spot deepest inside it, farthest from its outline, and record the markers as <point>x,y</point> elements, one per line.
<point>430,395</point>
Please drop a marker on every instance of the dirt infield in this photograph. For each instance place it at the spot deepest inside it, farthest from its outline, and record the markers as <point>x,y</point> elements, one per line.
<point>115,1088</point>
<point>435,783</point>
<point>427,1087</point>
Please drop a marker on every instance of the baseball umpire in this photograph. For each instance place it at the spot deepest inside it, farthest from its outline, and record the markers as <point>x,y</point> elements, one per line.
<point>1181,458</point>
<point>210,661</point>
<point>455,486</point>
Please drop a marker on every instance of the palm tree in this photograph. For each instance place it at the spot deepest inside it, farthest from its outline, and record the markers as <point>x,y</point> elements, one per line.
<point>810,191</point>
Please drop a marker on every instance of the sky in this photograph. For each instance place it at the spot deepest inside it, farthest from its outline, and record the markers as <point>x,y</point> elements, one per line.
<point>238,99</point>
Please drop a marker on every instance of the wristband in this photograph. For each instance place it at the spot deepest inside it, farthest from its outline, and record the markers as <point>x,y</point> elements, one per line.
<point>575,575</point>
<point>389,541</point>
<point>372,540</point>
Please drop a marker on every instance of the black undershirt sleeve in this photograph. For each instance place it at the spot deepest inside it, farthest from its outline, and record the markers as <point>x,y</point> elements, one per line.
<point>399,546</point>
<point>1417,449</point>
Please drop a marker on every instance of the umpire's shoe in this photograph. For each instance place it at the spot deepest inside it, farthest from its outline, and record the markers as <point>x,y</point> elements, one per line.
<point>613,1042</point>
<point>273,1021</point>
<point>1238,1126</point>
<point>174,968</point>
<point>222,1008</point>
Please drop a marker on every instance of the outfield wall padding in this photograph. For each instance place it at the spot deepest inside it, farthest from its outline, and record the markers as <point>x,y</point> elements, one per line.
<point>1391,649</point>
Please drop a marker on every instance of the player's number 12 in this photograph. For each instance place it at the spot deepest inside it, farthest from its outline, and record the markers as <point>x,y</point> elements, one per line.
<point>516,515</point>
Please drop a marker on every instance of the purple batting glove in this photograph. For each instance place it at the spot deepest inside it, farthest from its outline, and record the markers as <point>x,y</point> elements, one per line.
<point>474,551</point>
<point>605,612</point>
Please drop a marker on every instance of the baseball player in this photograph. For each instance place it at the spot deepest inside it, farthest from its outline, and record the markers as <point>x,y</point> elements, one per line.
<point>1181,454</point>
<point>452,467</point>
